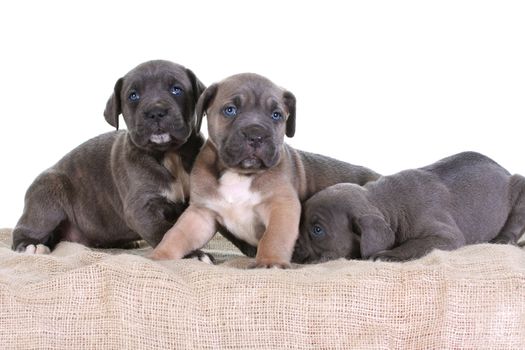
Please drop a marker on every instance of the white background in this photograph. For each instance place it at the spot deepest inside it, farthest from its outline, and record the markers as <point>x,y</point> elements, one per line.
<point>386,84</point>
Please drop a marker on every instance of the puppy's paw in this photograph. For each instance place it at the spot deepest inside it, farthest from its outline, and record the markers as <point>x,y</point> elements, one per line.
<point>201,256</point>
<point>206,258</point>
<point>165,252</point>
<point>157,257</point>
<point>504,240</point>
<point>386,256</point>
<point>36,249</point>
<point>266,263</point>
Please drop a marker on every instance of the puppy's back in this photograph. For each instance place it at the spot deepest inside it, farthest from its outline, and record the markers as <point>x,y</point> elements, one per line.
<point>323,171</point>
<point>479,189</point>
<point>448,169</point>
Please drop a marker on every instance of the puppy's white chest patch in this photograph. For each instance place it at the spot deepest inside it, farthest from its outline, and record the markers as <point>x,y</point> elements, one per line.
<point>235,206</point>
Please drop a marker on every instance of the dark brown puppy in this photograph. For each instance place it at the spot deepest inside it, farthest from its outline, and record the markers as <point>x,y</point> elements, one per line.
<point>124,185</point>
<point>463,199</point>
<point>246,180</point>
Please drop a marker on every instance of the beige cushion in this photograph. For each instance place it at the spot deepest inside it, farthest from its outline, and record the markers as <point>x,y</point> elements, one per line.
<point>78,298</point>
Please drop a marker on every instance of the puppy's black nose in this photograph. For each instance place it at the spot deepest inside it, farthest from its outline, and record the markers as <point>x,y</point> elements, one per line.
<point>156,113</point>
<point>255,135</point>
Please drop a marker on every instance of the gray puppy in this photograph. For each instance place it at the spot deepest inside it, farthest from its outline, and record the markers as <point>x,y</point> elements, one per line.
<point>463,199</point>
<point>125,185</point>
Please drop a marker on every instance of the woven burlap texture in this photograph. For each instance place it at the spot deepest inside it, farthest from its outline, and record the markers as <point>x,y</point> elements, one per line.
<point>77,298</point>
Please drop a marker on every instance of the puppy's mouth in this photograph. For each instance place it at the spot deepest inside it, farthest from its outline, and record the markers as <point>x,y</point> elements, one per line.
<point>160,139</point>
<point>251,163</point>
<point>249,159</point>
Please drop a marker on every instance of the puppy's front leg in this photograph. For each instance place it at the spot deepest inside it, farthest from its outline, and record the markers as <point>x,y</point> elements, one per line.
<point>443,236</point>
<point>193,230</point>
<point>282,228</point>
<point>151,215</point>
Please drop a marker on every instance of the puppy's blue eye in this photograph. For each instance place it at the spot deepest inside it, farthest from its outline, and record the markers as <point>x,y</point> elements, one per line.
<point>317,231</point>
<point>134,96</point>
<point>177,91</point>
<point>277,116</point>
<point>230,111</point>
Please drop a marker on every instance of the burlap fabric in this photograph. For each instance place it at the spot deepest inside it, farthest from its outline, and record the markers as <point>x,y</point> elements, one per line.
<point>77,298</point>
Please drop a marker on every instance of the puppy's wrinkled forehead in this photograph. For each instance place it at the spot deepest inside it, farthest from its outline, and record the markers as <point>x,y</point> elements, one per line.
<point>156,72</point>
<point>250,89</point>
<point>346,197</point>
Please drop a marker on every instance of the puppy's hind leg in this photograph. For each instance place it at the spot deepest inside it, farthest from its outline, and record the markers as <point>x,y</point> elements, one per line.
<point>37,230</point>
<point>515,224</point>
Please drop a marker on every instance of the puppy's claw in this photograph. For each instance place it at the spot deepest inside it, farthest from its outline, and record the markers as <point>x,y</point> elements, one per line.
<point>30,249</point>
<point>155,256</point>
<point>268,264</point>
<point>42,249</point>
<point>38,249</point>
<point>196,255</point>
<point>161,254</point>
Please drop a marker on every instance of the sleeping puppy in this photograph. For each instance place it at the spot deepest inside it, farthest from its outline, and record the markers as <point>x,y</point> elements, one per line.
<point>463,199</point>
<point>246,182</point>
<point>125,185</point>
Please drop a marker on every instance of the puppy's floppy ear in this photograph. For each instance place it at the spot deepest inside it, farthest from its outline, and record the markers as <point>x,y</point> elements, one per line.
<point>289,101</point>
<point>196,85</point>
<point>113,106</point>
<point>204,101</point>
<point>376,235</point>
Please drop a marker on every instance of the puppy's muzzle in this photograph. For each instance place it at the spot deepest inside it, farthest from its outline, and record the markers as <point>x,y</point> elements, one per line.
<point>163,124</point>
<point>156,114</point>
<point>255,139</point>
<point>255,136</point>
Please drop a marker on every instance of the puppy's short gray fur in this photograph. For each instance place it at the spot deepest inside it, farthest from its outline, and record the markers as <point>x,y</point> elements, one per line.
<point>124,185</point>
<point>463,199</point>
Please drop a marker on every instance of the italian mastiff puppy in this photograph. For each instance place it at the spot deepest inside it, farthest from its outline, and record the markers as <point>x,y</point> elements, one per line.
<point>246,182</point>
<point>126,185</point>
<point>463,199</point>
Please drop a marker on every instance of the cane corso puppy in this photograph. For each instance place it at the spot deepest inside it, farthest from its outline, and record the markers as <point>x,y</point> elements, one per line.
<point>124,185</point>
<point>463,199</point>
<point>246,181</point>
